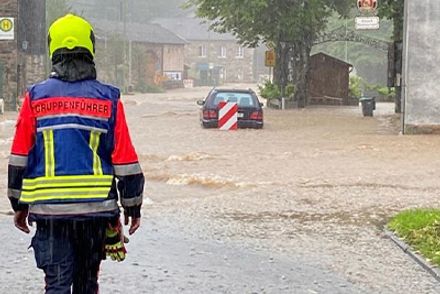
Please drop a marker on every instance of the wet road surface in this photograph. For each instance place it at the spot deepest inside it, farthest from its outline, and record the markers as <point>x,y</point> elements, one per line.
<point>167,261</point>
<point>297,207</point>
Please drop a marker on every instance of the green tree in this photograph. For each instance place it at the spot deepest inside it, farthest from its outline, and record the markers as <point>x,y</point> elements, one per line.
<point>292,26</point>
<point>393,9</point>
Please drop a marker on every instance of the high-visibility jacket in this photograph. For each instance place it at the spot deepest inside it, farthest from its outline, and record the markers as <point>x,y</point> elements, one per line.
<point>72,151</point>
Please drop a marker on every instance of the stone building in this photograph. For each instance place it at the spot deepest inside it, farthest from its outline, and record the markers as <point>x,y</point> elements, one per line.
<point>212,58</point>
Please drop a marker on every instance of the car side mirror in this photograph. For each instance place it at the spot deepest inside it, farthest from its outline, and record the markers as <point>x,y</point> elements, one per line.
<point>261,104</point>
<point>200,102</point>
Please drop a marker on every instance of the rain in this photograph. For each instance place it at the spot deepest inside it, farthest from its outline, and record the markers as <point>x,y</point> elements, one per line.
<point>349,140</point>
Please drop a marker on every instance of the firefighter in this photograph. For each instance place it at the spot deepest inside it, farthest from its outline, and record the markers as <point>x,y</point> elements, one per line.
<point>72,162</point>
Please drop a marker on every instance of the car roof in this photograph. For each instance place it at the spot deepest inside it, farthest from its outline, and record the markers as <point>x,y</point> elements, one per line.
<point>233,90</point>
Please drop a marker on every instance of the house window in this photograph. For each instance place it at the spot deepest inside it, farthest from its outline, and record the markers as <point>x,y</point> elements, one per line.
<point>240,52</point>
<point>222,52</point>
<point>202,51</point>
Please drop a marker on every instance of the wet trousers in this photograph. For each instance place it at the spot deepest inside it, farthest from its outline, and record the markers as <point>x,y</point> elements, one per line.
<point>70,253</point>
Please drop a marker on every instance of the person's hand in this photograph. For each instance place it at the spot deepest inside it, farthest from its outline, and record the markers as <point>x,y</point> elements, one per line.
<point>114,242</point>
<point>20,218</point>
<point>134,224</point>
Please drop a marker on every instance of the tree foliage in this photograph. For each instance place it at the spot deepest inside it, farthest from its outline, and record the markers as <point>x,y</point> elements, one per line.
<point>392,9</point>
<point>255,21</point>
<point>355,86</point>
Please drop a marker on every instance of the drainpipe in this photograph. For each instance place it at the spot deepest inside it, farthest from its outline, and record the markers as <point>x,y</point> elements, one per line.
<point>405,70</point>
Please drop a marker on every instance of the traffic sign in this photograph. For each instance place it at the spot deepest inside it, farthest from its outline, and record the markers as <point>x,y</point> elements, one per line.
<point>6,28</point>
<point>367,5</point>
<point>227,116</point>
<point>270,45</point>
<point>270,58</point>
<point>367,23</point>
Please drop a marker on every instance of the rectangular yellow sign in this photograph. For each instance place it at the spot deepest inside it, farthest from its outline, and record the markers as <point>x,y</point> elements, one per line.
<point>270,58</point>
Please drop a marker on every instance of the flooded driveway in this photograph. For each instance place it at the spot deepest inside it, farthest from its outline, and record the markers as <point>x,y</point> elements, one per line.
<point>297,207</point>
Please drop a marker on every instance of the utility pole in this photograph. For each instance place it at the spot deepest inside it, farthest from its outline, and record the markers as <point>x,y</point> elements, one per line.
<point>346,41</point>
<point>123,5</point>
<point>128,10</point>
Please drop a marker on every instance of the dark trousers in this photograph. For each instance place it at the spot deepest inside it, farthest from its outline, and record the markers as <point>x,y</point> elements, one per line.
<point>69,253</point>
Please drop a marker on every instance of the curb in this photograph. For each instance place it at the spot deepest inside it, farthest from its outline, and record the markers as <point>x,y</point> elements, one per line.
<point>417,257</point>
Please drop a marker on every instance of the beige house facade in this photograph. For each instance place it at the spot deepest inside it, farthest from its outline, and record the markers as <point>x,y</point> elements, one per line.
<point>139,55</point>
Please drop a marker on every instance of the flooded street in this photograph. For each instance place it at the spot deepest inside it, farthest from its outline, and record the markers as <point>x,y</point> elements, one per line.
<point>296,207</point>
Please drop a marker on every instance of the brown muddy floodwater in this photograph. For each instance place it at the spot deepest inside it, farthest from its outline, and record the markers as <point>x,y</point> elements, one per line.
<point>320,182</point>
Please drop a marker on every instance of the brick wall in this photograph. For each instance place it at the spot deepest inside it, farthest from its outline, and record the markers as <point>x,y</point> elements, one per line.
<point>20,64</point>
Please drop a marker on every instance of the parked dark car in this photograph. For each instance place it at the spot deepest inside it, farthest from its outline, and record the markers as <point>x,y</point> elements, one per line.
<point>250,111</point>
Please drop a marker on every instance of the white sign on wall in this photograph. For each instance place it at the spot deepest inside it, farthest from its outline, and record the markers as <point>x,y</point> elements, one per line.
<point>367,23</point>
<point>6,28</point>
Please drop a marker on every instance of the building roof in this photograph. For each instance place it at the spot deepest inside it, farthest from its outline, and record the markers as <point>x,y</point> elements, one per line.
<point>326,56</point>
<point>136,32</point>
<point>192,29</point>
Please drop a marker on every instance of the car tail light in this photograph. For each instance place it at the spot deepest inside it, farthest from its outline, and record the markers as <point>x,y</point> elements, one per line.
<point>256,115</point>
<point>209,114</point>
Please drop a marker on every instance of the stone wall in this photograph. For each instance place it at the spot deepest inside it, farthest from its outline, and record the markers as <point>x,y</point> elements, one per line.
<point>19,65</point>
<point>8,58</point>
<point>32,43</point>
<point>421,75</point>
<point>33,69</point>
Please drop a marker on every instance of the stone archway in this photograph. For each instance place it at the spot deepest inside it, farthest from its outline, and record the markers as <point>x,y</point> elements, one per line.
<point>342,34</point>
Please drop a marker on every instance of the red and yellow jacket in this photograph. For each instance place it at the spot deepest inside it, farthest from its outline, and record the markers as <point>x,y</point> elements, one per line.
<point>72,153</point>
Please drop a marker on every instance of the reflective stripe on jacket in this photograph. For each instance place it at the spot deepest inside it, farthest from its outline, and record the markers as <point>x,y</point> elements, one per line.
<point>71,141</point>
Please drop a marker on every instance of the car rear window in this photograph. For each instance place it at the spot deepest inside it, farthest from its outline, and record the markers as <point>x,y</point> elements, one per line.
<point>242,99</point>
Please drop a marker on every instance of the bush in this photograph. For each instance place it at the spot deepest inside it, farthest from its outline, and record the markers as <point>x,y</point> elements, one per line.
<point>154,89</point>
<point>272,91</point>
<point>269,91</point>
<point>355,86</point>
<point>145,88</point>
<point>388,94</point>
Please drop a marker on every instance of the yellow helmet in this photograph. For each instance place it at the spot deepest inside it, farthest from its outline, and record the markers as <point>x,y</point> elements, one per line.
<point>70,32</point>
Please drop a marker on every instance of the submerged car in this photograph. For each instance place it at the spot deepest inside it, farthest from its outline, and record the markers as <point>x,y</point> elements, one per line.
<point>250,110</point>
